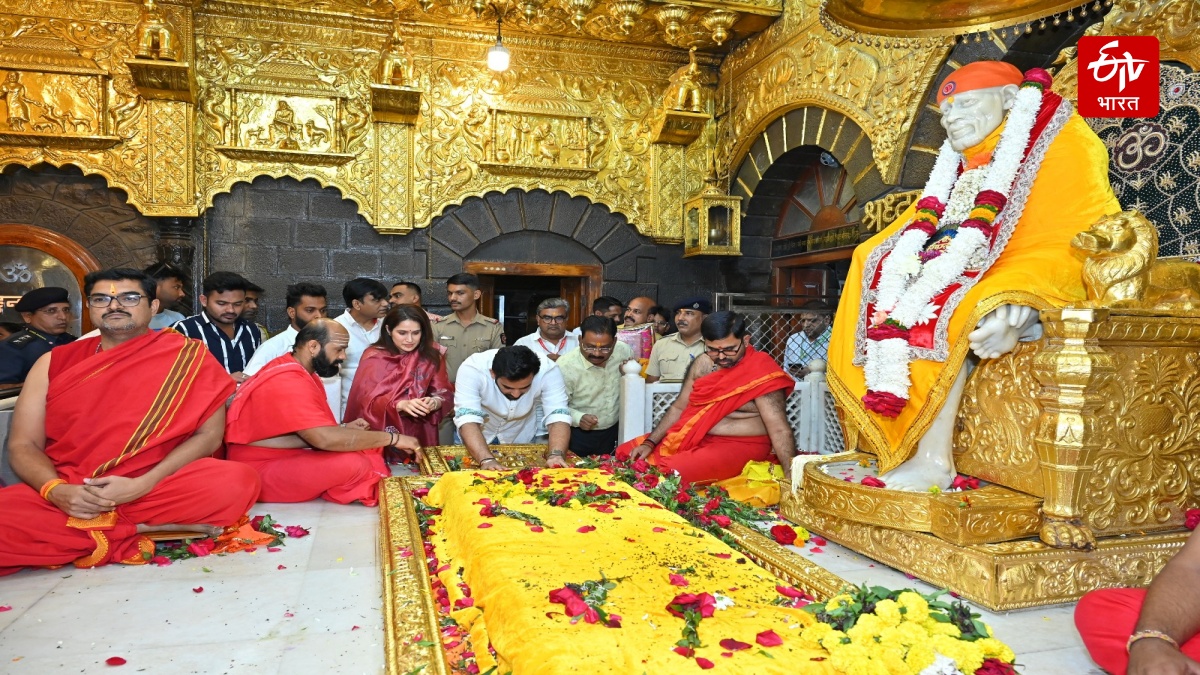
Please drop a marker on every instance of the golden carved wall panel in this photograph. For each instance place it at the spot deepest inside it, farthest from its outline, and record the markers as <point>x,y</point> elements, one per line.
<point>797,62</point>
<point>68,98</point>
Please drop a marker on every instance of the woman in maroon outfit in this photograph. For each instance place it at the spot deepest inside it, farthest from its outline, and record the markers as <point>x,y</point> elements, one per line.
<point>401,384</point>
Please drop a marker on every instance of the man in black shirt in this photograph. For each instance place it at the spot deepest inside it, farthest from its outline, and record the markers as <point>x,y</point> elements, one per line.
<point>47,315</point>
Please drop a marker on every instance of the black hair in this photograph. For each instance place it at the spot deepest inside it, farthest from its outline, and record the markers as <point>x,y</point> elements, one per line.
<point>515,363</point>
<point>223,282</point>
<point>296,291</point>
<point>602,303</point>
<point>416,288</point>
<point>360,288</point>
<point>600,325</point>
<point>464,279</point>
<point>723,324</point>
<point>253,287</point>
<point>815,306</point>
<point>161,271</point>
<point>313,330</point>
<point>149,285</point>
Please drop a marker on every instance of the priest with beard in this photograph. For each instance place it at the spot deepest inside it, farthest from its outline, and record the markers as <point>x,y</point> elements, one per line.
<point>280,424</point>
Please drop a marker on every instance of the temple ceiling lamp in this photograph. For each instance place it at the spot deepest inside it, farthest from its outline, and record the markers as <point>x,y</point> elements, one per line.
<point>898,23</point>
<point>498,57</point>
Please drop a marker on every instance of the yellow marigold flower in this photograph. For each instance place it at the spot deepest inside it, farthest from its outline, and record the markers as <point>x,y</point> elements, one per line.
<point>939,628</point>
<point>967,655</point>
<point>837,601</point>
<point>835,640</point>
<point>816,632</point>
<point>888,612</point>
<point>856,660</point>
<point>892,659</point>
<point>915,607</point>
<point>995,649</point>
<point>574,504</point>
<point>920,657</point>
<point>865,629</point>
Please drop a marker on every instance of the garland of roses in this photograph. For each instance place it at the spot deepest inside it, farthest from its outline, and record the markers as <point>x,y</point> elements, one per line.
<point>910,277</point>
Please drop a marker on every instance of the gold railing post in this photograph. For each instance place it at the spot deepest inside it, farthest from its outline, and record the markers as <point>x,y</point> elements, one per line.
<point>1071,368</point>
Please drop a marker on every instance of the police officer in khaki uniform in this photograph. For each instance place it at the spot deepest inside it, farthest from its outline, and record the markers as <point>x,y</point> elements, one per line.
<point>47,315</point>
<point>672,355</point>
<point>466,331</point>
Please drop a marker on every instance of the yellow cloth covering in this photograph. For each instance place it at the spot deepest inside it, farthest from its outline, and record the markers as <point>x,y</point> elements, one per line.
<point>1071,191</point>
<point>757,485</point>
<point>511,572</point>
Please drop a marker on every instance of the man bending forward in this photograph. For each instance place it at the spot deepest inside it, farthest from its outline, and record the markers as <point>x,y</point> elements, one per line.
<point>115,432</point>
<point>730,410</point>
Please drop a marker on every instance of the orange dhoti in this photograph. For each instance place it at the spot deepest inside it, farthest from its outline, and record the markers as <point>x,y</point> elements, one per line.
<point>179,387</point>
<point>35,533</point>
<point>281,399</point>
<point>702,457</point>
<point>1106,618</point>
<point>1069,190</point>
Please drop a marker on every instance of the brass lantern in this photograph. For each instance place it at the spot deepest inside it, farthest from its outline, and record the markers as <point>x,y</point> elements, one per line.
<point>712,221</point>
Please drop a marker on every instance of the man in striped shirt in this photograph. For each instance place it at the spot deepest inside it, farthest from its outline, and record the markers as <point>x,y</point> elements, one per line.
<point>220,326</point>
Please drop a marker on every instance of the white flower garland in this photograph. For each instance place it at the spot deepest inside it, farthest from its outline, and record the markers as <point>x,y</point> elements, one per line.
<point>907,285</point>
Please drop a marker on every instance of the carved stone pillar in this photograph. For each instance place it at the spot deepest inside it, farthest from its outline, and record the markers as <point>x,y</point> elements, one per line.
<point>1072,368</point>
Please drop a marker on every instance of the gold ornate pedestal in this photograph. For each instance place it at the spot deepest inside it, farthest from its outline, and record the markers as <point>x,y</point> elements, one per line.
<point>1004,576</point>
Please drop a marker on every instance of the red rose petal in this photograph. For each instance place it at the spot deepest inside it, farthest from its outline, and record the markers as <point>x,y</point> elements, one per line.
<point>678,580</point>
<point>783,534</point>
<point>484,526</point>
<point>463,603</point>
<point>723,556</point>
<point>686,652</point>
<point>768,638</point>
<point>354,628</point>
<point>5,608</point>
<point>288,615</point>
<point>727,655</point>
<point>586,528</point>
<point>198,589</point>
<point>536,528</point>
<point>281,567</point>
<point>273,549</point>
<point>734,645</point>
<point>115,661</point>
<point>818,541</point>
<point>704,663</point>
<point>817,550</point>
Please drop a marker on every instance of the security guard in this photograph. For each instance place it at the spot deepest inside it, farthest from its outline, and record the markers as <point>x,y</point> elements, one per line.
<point>47,315</point>
<point>673,354</point>
<point>466,331</point>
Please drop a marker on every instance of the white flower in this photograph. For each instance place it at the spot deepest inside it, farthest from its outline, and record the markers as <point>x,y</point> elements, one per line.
<point>722,601</point>
<point>941,666</point>
<point>929,313</point>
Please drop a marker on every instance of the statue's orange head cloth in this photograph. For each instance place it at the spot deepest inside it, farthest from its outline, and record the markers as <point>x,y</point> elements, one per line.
<point>979,75</point>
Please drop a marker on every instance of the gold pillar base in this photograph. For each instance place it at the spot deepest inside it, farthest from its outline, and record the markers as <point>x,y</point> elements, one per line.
<point>1003,576</point>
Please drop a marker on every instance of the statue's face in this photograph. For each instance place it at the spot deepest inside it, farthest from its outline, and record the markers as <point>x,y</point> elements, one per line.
<point>970,116</point>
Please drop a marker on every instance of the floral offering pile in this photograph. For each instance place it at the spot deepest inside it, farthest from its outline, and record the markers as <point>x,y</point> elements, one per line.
<point>619,568</point>
<point>247,535</point>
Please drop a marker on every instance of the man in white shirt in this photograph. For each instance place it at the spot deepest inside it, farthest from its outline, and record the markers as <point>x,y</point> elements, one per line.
<point>551,339</point>
<point>366,304</point>
<point>305,302</point>
<point>494,399</point>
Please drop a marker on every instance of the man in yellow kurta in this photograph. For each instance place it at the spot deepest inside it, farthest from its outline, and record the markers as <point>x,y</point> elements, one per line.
<point>1024,264</point>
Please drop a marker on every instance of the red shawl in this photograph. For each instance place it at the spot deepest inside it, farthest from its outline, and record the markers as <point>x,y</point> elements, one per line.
<point>383,379</point>
<point>719,393</point>
<point>280,399</point>
<point>121,411</point>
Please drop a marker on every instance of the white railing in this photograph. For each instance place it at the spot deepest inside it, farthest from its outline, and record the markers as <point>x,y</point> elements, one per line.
<point>810,409</point>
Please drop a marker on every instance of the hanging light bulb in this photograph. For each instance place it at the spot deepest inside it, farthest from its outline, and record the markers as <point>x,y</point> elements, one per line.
<point>497,55</point>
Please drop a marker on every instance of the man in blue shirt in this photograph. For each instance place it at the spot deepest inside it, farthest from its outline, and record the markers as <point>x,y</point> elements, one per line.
<point>47,315</point>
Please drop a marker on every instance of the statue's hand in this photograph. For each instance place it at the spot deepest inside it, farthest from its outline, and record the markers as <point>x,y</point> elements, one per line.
<point>998,332</point>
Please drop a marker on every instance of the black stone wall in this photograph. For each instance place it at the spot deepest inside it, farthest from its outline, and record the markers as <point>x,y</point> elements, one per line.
<point>81,207</point>
<point>279,231</point>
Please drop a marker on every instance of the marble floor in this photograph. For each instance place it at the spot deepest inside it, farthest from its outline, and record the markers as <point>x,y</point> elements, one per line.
<point>314,607</point>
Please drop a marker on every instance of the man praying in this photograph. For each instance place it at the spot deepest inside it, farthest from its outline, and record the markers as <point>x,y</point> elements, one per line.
<point>112,436</point>
<point>592,375</point>
<point>494,401</point>
<point>280,425</point>
<point>730,410</point>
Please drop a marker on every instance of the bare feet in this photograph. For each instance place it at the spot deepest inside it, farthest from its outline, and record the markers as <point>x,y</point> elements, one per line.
<point>918,475</point>
<point>210,530</point>
<point>998,332</point>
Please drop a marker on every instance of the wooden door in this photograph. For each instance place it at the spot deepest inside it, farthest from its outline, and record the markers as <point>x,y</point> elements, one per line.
<point>578,284</point>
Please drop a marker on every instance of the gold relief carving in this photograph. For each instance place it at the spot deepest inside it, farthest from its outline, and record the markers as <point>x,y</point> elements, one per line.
<point>879,213</point>
<point>1002,576</point>
<point>170,154</point>
<point>394,161</point>
<point>997,422</point>
<point>156,38</point>
<point>798,62</point>
<point>992,514</point>
<point>166,80</point>
<point>792,567</point>
<point>679,127</point>
<point>830,494</point>
<point>1120,269</point>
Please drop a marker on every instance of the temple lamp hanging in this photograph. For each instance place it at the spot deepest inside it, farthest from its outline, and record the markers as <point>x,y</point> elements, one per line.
<point>497,55</point>
<point>712,220</point>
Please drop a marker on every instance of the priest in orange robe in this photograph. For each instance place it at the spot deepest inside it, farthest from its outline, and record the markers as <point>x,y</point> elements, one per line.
<point>730,410</point>
<point>113,437</point>
<point>280,424</point>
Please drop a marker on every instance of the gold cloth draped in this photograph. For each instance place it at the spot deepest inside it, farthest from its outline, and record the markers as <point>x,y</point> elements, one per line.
<point>511,571</point>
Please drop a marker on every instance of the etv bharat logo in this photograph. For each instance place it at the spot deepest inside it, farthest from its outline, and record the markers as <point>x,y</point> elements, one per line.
<point>1118,76</point>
